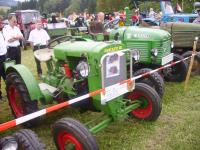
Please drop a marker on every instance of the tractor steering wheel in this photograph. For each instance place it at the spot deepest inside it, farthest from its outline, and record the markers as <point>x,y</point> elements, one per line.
<point>111,24</point>
<point>62,39</point>
<point>58,40</point>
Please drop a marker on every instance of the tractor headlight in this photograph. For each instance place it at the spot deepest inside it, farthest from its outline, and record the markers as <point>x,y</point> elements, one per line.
<point>83,69</point>
<point>154,52</point>
<point>172,45</point>
<point>135,55</point>
<point>11,144</point>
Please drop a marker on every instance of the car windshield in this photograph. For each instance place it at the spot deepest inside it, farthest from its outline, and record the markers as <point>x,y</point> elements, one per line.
<point>167,7</point>
<point>30,17</point>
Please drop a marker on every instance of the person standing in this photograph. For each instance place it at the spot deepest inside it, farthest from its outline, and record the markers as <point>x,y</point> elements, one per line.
<point>152,13</point>
<point>197,20</point>
<point>39,39</point>
<point>12,36</point>
<point>3,51</point>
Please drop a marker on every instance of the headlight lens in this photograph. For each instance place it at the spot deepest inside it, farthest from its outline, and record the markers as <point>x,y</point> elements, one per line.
<point>83,69</point>
<point>11,145</point>
<point>135,55</point>
<point>172,45</point>
<point>154,52</point>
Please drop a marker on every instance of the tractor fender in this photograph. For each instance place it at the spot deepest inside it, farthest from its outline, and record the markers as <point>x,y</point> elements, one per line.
<point>29,80</point>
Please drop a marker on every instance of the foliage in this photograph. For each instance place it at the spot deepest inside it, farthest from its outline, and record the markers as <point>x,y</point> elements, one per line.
<point>3,12</point>
<point>59,6</point>
<point>110,5</point>
<point>69,6</point>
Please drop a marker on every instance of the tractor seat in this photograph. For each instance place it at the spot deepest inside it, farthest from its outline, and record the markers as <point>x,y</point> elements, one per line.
<point>43,55</point>
<point>96,29</point>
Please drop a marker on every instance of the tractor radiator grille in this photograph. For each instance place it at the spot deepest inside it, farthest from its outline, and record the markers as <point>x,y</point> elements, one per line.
<point>164,49</point>
<point>142,47</point>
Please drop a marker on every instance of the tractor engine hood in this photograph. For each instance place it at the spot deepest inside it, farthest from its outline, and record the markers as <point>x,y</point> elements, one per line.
<point>180,26</point>
<point>82,48</point>
<point>139,34</point>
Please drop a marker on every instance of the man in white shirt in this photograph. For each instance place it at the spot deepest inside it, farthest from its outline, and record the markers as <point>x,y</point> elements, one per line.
<point>12,36</point>
<point>39,39</point>
<point>3,52</point>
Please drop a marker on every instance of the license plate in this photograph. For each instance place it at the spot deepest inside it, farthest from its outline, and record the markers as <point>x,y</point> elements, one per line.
<point>115,91</point>
<point>167,59</point>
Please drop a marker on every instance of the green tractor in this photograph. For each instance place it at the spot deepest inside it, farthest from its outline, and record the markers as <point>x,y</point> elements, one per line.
<point>76,68</point>
<point>154,46</point>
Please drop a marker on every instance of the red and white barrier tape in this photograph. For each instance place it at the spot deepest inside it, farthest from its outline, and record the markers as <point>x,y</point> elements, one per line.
<point>18,121</point>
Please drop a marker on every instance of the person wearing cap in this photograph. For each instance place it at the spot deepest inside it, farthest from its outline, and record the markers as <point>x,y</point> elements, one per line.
<point>3,51</point>
<point>39,39</point>
<point>197,20</point>
<point>13,35</point>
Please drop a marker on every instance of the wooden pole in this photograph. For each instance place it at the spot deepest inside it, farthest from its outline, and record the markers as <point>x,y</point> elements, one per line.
<point>182,5</point>
<point>191,62</point>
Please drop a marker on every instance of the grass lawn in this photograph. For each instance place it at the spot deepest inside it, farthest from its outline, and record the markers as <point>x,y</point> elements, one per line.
<point>178,126</point>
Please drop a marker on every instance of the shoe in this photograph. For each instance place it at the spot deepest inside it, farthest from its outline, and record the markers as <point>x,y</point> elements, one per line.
<point>1,95</point>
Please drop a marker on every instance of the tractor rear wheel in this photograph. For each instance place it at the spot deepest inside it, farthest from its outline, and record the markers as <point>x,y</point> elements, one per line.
<point>19,99</point>
<point>71,134</point>
<point>154,80</point>
<point>196,64</point>
<point>178,72</point>
<point>28,140</point>
<point>151,105</point>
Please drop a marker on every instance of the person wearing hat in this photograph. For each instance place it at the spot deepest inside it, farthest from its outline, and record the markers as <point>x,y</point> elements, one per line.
<point>197,20</point>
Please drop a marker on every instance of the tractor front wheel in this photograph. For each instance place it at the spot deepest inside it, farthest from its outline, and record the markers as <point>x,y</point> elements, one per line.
<point>19,99</point>
<point>150,107</point>
<point>71,134</point>
<point>154,80</point>
<point>28,140</point>
<point>178,72</point>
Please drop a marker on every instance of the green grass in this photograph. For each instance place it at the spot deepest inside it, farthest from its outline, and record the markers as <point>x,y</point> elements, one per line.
<point>178,126</point>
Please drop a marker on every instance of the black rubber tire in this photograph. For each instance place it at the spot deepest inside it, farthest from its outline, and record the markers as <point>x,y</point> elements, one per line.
<point>196,58</point>
<point>153,96</point>
<point>28,106</point>
<point>153,80</point>
<point>179,71</point>
<point>28,140</point>
<point>77,130</point>
<point>5,140</point>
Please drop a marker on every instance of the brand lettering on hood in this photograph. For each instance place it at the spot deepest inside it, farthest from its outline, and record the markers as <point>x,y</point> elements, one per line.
<point>138,35</point>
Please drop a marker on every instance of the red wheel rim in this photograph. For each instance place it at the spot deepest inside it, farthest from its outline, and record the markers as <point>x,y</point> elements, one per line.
<point>15,101</point>
<point>65,139</point>
<point>141,112</point>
